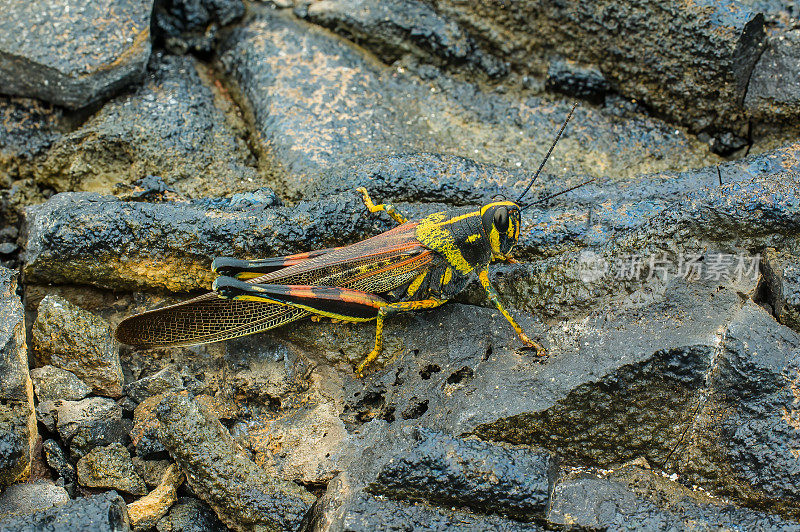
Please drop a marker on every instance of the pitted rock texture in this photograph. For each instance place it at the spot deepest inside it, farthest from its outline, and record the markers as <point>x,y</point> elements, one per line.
<point>171,126</point>
<point>774,88</point>
<point>92,422</point>
<point>635,498</point>
<point>243,495</point>
<point>95,513</point>
<point>110,467</point>
<point>396,27</point>
<point>700,55</point>
<point>70,338</point>
<point>316,102</point>
<point>52,383</point>
<point>17,419</point>
<point>73,53</point>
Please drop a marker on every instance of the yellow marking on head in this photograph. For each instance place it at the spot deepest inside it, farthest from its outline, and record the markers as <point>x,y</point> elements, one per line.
<point>447,276</point>
<point>510,231</point>
<point>497,204</point>
<point>473,238</point>
<point>416,283</point>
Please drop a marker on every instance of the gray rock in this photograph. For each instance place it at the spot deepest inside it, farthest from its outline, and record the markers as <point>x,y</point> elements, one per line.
<point>96,513</point>
<point>144,433</point>
<point>47,413</point>
<point>748,416</point>
<point>110,467</point>
<point>345,508</point>
<point>73,339</point>
<point>72,53</point>
<point>27,129</point>
<point>634,498</point>
<point>23,499</point>
<point>190,515</point>
<point>151,471</point>
<point>191,25</point>
<point>166,380</point>
<point>170,127</point>
<point>17,419</point>
<point>699,57</point>
<point>52,383</point>
<point>397,27</point>
<point>318,102</point>
<point>578,81</point>
<point>774,88</point>
<point>243,495</point>
<point>90,423</point>
<point>57,460</point>
<point>780,287</point>
<point>481,476</point>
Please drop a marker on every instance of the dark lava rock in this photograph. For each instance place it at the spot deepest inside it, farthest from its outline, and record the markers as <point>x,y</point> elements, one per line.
<point>22,499</point>
<point>144,433</point>
<point>242,494</point>
<point>190,515</point>
<point>171,127</point>
<point>192,25</point>
<point>96,513</point>
<point>633,498</point>
<point>27,129</point>
<point>173,243</point>
<point>92,422</point>
<point>52,383</point>
<point>57,460</point>
<point>17,419</point>
<point>317,102</point>
<point>747,417</point>
<point>699,56</point>
<point>73,53</point>
<point>110,467</point>
<point>166,380</point>
<point>478,475</point>
<point>73,339</point>
<point>151,471</point>
<point>344,508</point>
<point>781,286</point>
<point>391,28</point>
<point>774,89</point>
<point>578,81</point>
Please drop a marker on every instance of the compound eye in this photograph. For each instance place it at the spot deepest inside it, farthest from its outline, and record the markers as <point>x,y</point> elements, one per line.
<point>501,219</point>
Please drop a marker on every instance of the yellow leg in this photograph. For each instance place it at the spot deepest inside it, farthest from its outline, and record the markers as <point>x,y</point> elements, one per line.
<point>388,208</point>
<point>388,310</point>
<point>490,292</point>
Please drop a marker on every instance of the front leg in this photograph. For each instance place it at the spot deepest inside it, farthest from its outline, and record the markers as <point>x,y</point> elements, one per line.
<point>388,310</point>
<point>490,292</point>
<point>396,215</point>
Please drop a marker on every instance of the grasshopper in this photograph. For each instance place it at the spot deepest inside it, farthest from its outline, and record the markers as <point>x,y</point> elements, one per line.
<point>418,265</point>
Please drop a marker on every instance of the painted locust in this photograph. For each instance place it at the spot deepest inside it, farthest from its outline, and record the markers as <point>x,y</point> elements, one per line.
<point>417,265</point>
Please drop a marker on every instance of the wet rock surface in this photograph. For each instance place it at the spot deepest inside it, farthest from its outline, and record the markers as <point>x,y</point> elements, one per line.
<point>72,53</point>
<point>51,384</point>
<point>17,419</point>
<point>693,51</point>
<point>317,102</point>
<point>665,291</point>
<point>22,499</point>
<point>170,126</point>
<point>72,339</point>
<point>110,467</point>
<point>95,513</point>
<point>244,496</point>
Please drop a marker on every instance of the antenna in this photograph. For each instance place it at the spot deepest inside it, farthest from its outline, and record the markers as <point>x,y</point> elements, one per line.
<point>558,136</point>
<point>570,189</point>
